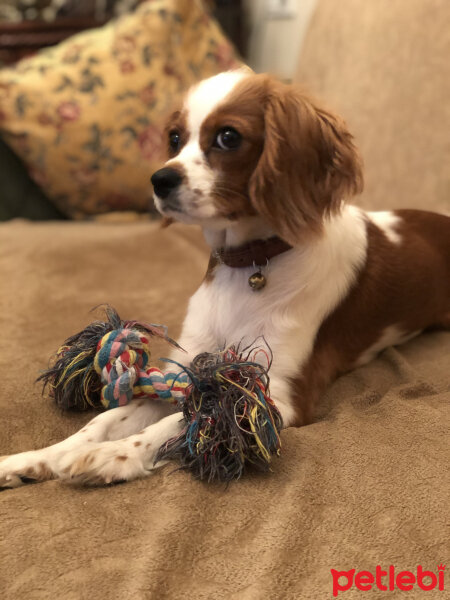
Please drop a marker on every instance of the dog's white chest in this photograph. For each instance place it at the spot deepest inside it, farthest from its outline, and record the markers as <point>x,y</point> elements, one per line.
<point>237,314</point>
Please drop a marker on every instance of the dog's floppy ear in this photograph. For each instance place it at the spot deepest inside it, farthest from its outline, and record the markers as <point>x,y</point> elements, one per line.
<point>308,166</point>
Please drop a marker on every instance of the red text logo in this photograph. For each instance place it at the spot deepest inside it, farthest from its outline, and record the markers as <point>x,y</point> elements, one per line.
<point>388,580</point>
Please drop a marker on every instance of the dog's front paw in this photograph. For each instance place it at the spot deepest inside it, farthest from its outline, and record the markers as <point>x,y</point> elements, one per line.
<point>103,463</point>
<point>26,467</point>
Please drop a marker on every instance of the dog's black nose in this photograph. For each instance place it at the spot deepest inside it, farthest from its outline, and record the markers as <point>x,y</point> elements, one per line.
<point>165,180</point>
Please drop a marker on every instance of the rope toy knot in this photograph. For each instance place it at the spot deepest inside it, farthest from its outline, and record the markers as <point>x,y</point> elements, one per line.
<point>128,345</point>
<point>121,360</point>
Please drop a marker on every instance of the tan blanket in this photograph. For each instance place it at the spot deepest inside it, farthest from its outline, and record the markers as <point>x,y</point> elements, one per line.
<point>367,484</point>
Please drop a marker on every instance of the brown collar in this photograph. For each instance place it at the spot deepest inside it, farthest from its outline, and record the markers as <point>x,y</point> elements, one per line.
<point>255,253</point>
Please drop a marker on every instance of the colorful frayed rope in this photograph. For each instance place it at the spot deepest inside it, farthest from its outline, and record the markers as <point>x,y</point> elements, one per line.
<point>121,361</point>
<point>232,423</point>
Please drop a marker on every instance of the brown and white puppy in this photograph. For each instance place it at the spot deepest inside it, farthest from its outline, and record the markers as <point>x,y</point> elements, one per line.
<point>252,158</point>
<point>265,171</point>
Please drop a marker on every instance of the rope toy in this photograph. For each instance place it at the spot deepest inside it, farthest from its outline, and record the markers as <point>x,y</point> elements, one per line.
<point>231,420</point>
<point>231,423</point>
<point>104,366</point>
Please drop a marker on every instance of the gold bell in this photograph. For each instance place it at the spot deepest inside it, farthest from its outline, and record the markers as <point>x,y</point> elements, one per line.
<point>257,281</point>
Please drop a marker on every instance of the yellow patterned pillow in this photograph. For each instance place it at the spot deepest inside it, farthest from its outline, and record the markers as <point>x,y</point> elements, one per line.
<point>86,116</point>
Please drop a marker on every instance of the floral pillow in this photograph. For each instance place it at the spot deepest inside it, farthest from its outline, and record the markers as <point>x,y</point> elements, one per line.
<point>86,116</point>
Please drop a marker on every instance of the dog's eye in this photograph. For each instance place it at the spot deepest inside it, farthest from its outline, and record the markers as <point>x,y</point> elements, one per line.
<point>227,139</point>
<point>174,140</point>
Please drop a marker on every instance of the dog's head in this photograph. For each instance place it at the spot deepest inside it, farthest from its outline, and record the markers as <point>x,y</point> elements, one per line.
<point>248,145</point>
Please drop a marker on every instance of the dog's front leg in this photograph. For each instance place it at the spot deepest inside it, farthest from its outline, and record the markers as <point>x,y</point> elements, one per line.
<point>196,335</point>
<point>120,460</point>
<point>48,463</point>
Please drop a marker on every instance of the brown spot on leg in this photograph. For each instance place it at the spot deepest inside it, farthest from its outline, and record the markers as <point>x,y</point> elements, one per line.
<point>30,472</point>
<point>137,444</point>
<point>122,458</point>
<point>45,471</point>
<point>148,446</point>
<point>40,472</point>
<point>123,418</point>
<point>81,465</point>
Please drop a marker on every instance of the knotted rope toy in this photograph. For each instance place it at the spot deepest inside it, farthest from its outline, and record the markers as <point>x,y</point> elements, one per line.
<point>231,423</point>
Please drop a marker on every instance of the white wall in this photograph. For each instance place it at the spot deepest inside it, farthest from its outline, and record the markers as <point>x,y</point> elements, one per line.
<point>275,44</point>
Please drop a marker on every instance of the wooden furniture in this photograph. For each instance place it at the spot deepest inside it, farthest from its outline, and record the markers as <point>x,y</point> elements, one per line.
<point>22,39</point>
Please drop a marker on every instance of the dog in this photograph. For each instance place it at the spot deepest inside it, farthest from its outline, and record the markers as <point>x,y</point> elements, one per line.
<point>266,171</point>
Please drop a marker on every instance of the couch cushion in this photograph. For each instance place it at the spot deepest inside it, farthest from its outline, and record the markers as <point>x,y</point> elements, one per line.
<point>385,67</point>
